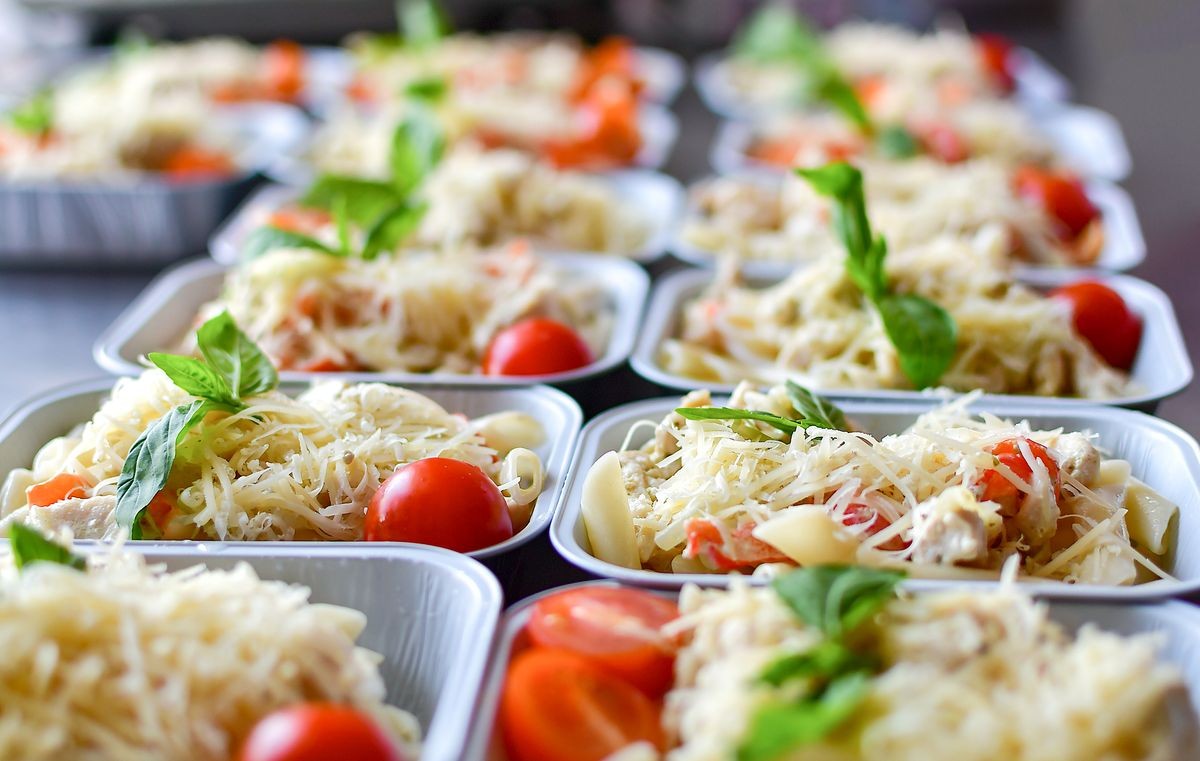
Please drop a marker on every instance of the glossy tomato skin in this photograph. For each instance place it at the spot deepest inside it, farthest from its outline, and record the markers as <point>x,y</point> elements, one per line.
<point>616,629</point>
<point>1062,195</point>
<point>439,501</point>
<point>317,732</point>
<point>536,346</point>
<point>995,53</point>
<point>558,706</point>
<point>1104,320</point>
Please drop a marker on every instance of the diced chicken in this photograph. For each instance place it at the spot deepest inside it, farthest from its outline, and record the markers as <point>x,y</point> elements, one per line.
<point>950,528</point>
<point>90,518</point>
<point>1077,458</point>
<point>665,443</point>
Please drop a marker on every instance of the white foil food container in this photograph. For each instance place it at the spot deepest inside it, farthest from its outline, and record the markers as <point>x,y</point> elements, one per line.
<point>1161,455</point>
<point>657,197</point>
<point>166,311</point>
<point>1177,622</point>
<point>139,221</point>
<point>1162,366</point>
<point>55,413</point>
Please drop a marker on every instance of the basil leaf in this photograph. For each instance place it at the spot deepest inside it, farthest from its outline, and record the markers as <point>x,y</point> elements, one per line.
<point>392,228</point>
<point>422,22</point>
<point>268,238</point>
<point>150,461</point>
<point>777,728</point>
<point>427,88</point>
<point>231,353</point>
<point>776,33</point>
<point>924,334</point>
<point>729,413</point>
<point>36,115</point>
<point>835,599</point>
<point>195,377</point>
<point>365,199</point>
<point>896,142</point>
<point>830,86</point>
<point>826,661</point>
<point>417,146</point>
<point>131,41</point>
<point>342,224</point>
<point>28,546</point>
<point>816,410</point>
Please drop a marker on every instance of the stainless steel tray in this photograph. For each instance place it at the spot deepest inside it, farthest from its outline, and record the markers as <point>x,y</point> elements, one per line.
<point>1161,454</point>
<point>56,412</point>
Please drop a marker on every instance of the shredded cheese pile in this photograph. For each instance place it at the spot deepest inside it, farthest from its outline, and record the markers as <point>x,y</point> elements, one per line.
<point>282,469</point>
<point>967,677</point>
<point>129,662</point>
<point>912,499</point>
<point>414,312</point>
<point>912,202</point>
<point>815,327</point>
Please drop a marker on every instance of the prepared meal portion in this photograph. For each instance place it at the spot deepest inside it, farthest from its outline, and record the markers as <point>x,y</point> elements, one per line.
<point>93,129</point>
<point>209,449</point>
<point>115,660</point>
<point>832,663</point>
<point>945,312</point>
<point>472,197</point>
<point>1035,215</point>
<point>783,477</point>
<point>777,61</point>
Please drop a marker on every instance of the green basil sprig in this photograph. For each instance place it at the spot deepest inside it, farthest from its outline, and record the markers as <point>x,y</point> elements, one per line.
<point>36,115</point>
<point>423,23</point>
<point>835,678</point>
<point>28,545</point>
<point>924,334</point>
<point>232,370</point>
<point>815,410</point>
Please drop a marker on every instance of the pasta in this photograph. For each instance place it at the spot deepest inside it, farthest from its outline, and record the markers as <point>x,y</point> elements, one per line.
<point>282,469</point>
<point>126,661</point>
<point>953,495</point>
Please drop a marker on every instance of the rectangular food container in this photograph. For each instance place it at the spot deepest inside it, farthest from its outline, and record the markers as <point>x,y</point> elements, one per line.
<point>1177,622</point>
<point>1038,85</point>
<point>431,614</point>
<point>658,197</point>
<point>1162,367</point>
<point>144,221</point>
<point>1089,140</point>
<point>162,314</point>
<point>1161,454</point>
<point>1124,245</point>
<point>55,413</point>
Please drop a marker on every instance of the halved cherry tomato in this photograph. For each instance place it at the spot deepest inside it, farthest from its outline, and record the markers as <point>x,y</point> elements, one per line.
<point>943,142</point>
<point>608,133</point>
<point>317,732</point>
<point>558,706</point>
<point>612,57</point>
<point>1104,320</point>
<point>616,629</point>
<point>299,219</point>
<point>995,54</point>
<point>439,501</point>
<point>1062,196</point>
<point>994,487</point>
<point>193,162</point>
<point>742,550</point>
<point>283,69</point>
<point>859,515</point>
<point>535,346</point>
<point>63,486</point>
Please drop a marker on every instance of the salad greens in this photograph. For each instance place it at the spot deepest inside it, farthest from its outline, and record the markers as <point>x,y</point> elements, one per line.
<point>814,410</point>
<point>924,334</point>
<point>833,677</point>
<point>28,546</point>
<point>233,369</point>
<point>36,115</point>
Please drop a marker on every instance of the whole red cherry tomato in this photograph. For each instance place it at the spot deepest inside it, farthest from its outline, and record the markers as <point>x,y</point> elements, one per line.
<point>1104,320</point>
<point>317,732</point>
<point>535,346</point>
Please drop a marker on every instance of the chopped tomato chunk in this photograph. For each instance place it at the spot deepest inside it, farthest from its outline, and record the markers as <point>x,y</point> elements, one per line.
<point>300,219</point>
<point>995,53</point>
<point>863,515</point>
<point>193,162</point>
<point>283,69</point>
<point>63,486</point>
<point>741,551</point>
<point>992,486</point>
<point>944,142</point>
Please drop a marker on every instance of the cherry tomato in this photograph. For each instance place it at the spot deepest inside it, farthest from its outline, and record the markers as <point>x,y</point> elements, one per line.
<point>616,629</point>
<point>994,487</point>
<point>283,69</point>
<point>1104,320</point>
<point>994,53</point>
<point>193,162</point>
<point>63,486</point>
<point>1061,195</point>
<point>439,501</point>
<point>859,515</point>
<point>317,732</point>
<point>558,706</point>
<point>740,550</point>
<point>536,346</point>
